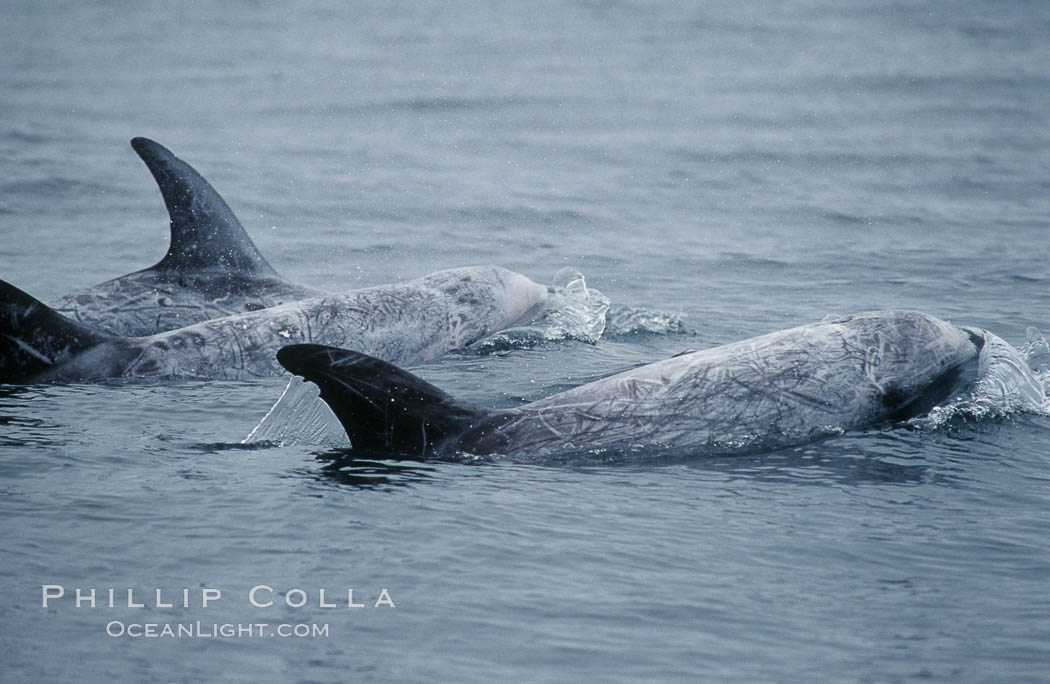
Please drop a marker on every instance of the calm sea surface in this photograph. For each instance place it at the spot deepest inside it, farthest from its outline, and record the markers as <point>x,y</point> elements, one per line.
<point>744,166</point>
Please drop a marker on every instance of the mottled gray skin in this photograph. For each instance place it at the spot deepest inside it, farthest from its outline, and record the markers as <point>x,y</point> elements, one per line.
<point>151,301</point>
<point>211,269</point>
<point>404,323</point>
<point>777,390</point>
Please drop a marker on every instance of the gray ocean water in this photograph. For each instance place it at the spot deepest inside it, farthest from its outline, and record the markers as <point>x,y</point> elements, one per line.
<point>745,167</point>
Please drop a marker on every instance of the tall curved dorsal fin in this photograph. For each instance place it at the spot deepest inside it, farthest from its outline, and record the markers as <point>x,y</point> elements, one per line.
<point>205,233</point>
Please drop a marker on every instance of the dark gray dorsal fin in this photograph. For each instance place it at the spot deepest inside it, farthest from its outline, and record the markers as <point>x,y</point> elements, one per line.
<point>35,338</point>
<point>380,406</point>
<point>205,234</point>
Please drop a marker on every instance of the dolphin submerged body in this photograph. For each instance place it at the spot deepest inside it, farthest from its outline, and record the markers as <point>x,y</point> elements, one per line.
<point>404,323</point>
<point>212,268</point>
<point>777,390</point>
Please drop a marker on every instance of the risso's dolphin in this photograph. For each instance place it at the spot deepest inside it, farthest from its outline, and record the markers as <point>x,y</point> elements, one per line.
<point>781,389</point>
<point>404,323</point>
<point>211,269</point>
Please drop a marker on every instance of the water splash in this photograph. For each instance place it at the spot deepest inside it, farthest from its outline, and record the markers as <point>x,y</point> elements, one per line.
<point>1037,353</point>
<point>627,321</point>
<point>299,417</point>
<point>577,312</point>
<point>1009,381</point>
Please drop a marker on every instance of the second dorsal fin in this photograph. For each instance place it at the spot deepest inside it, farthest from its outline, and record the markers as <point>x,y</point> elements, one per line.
<point>205,234</point>
<point>35,338</point>
<point>380,405</point>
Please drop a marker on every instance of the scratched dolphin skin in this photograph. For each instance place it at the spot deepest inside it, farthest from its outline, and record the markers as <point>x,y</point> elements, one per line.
<point>780,389</point>
<point>406,323</point>
<point>211,269</point>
